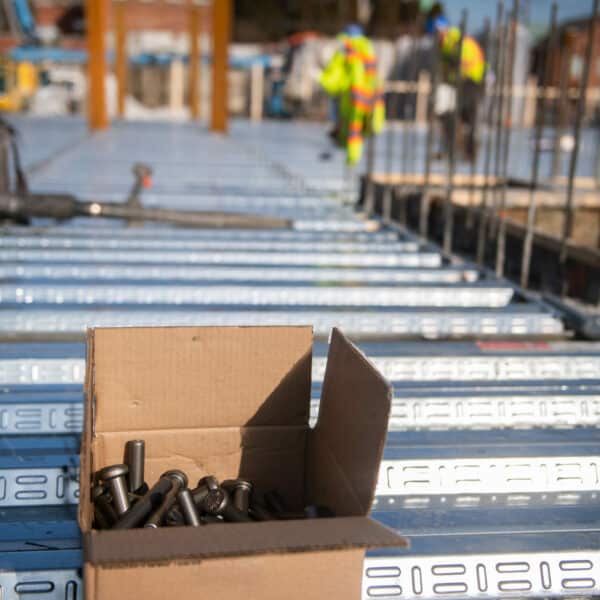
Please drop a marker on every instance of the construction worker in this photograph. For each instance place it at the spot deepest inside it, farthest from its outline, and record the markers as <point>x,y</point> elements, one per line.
<point>472,73</point>
<point>351,79</point>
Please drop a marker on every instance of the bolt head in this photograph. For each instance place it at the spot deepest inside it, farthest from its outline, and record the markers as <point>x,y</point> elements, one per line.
<point>178,475</point>
<point>233,484</point>
<point>112,471</point>
<point>214,502</point>
<point>97,491</point>
<point>210,482</point>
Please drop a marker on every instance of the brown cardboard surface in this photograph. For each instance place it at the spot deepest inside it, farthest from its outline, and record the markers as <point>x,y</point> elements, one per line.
<point>347,444</point>
<point>235,539</point>
<point>185,377</point>
<point>306,576</point>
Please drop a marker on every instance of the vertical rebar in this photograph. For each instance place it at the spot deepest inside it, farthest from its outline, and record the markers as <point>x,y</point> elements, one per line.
<point>494,102</point>
<point>369,183</point>
<point>406,137</point>
<point>501,239</point>
<point>413,78</point>
<point>448,206</point>
<point>539,130</point>
<point>389,154</point>
<point>425,201</point>
<point>500,112</point>
<point>487,44</point>
<point>561,117</point>
<point>579,115</point>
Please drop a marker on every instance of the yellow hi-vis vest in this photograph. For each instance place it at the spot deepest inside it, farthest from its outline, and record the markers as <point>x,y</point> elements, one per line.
<point>472,64</point>
<point>351,76</point>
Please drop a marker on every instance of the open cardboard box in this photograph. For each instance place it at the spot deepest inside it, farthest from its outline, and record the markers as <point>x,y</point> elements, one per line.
<point>235,401</point>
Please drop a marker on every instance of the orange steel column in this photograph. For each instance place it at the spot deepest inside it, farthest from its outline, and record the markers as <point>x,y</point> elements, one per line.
<point>96,17</point>
<point>194,32</point>
<point>120,55</point>
<point>221,33</point>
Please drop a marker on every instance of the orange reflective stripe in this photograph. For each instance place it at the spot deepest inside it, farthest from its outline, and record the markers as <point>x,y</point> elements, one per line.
<point>362,98</point>
<point>362,106</point>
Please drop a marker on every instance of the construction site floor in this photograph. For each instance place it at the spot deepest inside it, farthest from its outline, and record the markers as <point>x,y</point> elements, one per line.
<point>492,464</point>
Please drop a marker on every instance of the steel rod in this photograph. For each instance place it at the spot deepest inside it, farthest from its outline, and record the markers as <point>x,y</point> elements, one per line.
<point>561,118</point>
<point>483,99</point>
<point>64,206</point>
<point>425,200</point>
<point>494,100</point>
<point>448,206</point>
<point>579,115</point>
<point>540,124</point>
<point>500,107</point>
<point>369,183</point>
<point>410,106</point>
<point>389,155</point>
<point>501,239</point>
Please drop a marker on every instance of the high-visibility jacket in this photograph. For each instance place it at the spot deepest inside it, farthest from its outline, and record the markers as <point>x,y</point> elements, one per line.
<point>472,64</point>
<point>351,76</point>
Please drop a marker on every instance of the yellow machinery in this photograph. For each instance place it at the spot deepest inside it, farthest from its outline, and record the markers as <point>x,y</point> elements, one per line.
<point>18,83</point>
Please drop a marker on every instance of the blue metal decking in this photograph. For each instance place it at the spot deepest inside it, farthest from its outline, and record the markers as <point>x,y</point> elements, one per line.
<point>492,465</point>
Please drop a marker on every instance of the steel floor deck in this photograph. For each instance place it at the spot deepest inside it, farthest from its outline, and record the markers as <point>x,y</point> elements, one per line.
<point>492,465</point>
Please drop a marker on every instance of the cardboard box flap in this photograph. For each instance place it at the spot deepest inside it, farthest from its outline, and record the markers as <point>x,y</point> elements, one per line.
<point>200,377</point>
<point>239,539</point>
<point>347,443</point>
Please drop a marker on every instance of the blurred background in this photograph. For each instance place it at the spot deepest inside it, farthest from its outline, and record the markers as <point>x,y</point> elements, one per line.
<point>277,52</point>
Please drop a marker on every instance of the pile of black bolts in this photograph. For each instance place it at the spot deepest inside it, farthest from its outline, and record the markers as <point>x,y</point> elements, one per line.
<point>123,500</point>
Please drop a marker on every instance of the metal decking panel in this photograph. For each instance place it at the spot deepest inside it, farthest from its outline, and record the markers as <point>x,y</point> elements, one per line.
<point>193,273</point>
<point>398,324</point>
<point>410,259</point>
<point>118,231</point>
<point>319,295</point>
<point>186,245</point>
<point>492,510</point>
<point>64,364</point>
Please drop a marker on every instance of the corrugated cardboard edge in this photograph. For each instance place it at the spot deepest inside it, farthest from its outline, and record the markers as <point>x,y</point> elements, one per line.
<point>86,468</point>
<point>171,544</point>
<point>355,404</point>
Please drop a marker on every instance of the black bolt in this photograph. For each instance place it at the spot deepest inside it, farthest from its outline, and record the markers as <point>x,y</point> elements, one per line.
<point>212,499</point>
<point>209,496</point>
<point>151,500</point>
<point>143,490</point>
<point>174,517</point>
<point>276,504</point>
<point>241,491</point>
<point>102,504</point>
<point>114,477</point>
<point>100,520</point>
<point>188,508</point>
<point>179,480</point>
<point>134,459</point>
<point>259,512</point>
<point>210,519</point>
<point>104,514</point>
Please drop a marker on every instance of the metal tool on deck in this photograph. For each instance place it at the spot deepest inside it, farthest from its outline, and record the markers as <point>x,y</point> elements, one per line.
<point>19,205</point>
